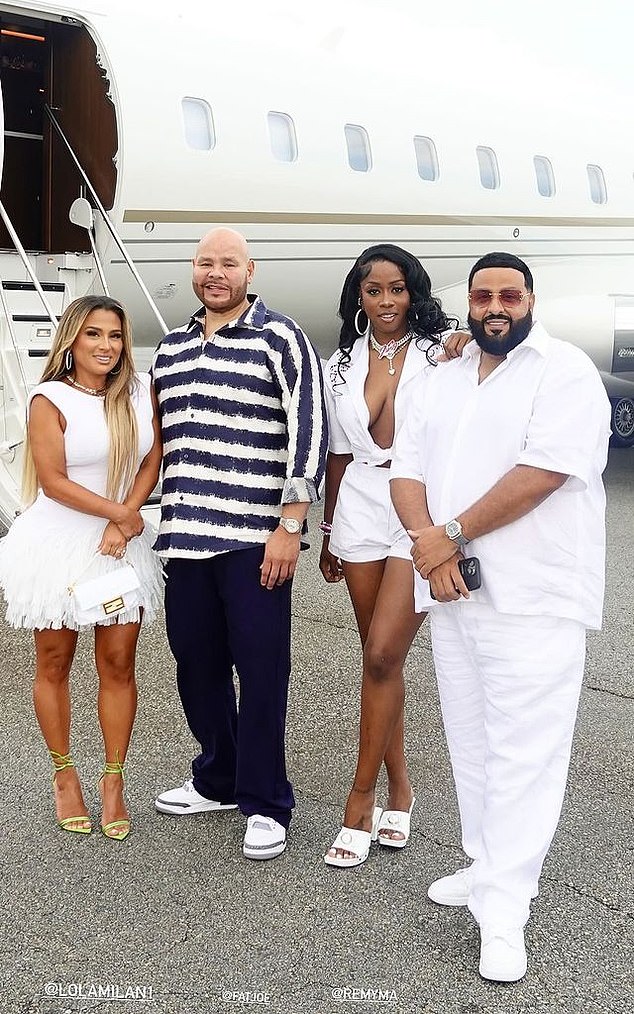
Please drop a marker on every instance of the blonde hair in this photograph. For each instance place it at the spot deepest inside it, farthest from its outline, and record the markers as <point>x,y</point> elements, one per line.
<point>120,416</point>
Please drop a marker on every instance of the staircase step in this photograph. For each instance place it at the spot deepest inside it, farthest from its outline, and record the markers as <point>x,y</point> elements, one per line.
<point>24,304</point>
<point>29,286</point>
<point>28,333</point>
<point>32,318</point>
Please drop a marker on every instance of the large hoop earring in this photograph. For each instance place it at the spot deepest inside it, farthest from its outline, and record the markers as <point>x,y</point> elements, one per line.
<point>68,360</point>
<point>365,330</point>
<point>115,373</point>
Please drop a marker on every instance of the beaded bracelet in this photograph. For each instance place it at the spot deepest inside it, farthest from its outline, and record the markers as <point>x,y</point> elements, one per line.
<point>325,527</point>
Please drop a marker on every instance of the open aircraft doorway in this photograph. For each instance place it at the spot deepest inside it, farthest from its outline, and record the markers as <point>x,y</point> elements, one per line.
<point>50,63</point>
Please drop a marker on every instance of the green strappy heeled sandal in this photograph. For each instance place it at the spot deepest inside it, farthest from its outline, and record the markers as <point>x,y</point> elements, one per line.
<point>60,762</point>
<point>117,830</point>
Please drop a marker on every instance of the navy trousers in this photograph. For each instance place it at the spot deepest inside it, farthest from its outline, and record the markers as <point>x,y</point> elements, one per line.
<point>219,616</point>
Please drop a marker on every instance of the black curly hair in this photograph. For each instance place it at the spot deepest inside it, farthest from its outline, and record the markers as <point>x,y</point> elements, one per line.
<point>425,315</point>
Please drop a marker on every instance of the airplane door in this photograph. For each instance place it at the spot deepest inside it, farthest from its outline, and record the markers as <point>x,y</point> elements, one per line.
<point>23,62</point>
<point>1,130</point>
<point>47,62</point>
<point>78,97</point>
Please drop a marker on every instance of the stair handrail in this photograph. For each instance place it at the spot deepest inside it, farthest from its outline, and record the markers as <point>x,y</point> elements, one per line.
<point>14,341</point>
<point>27,264</point>
<point>110,226</point>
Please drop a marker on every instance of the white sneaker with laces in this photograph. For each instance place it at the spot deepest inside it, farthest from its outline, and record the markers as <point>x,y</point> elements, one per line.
<point>185,799</point>
<point>502,953</point>
<point>264,838</point>
<point>452,890</point>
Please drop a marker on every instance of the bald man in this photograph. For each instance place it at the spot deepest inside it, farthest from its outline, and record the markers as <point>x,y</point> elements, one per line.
<point>244,443</point>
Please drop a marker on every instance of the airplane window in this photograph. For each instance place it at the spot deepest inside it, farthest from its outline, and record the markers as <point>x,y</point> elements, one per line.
<point>199,124</point>
<point>426,158</point>
<point>596,179</point>
<point>282,136</point>
<point>544,175</point>
<point>488,166</point>
<point>359,153</point>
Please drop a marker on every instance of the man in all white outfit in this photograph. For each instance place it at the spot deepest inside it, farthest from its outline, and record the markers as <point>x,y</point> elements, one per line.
<point>511,474</point>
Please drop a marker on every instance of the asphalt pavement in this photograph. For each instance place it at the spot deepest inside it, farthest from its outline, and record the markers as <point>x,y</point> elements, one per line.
<point>175,920</point>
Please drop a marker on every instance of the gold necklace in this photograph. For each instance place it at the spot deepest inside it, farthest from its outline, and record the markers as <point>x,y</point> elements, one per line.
<point>390,349</point>
<point>97,392</point>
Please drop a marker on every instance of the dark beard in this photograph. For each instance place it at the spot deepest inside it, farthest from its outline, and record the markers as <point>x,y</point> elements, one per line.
<point>517,332</point>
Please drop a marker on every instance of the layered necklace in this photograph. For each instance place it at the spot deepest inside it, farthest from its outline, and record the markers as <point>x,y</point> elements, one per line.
<point>390,349</point>
<point>97,392</point>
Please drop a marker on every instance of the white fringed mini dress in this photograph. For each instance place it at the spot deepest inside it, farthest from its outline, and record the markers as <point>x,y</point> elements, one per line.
<point>49,546</point>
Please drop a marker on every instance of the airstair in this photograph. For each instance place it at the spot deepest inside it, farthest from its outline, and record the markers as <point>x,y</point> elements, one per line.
<point>26,333</point>
<point>35,289</point>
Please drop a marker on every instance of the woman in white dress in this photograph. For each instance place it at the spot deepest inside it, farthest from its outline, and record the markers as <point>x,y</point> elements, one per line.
<point>92,456</point>
<point>389,341</point>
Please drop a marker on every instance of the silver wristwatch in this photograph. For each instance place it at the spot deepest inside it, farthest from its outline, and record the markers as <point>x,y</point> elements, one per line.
<point>453,530</point>
<point>291,525</point>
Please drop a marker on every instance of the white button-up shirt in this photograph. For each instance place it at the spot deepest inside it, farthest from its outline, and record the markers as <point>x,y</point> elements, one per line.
<point>543,406</point>
<point>348,412</point>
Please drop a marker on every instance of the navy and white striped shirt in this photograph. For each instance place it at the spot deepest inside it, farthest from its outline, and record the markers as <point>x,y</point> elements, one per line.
<point>244,430</point>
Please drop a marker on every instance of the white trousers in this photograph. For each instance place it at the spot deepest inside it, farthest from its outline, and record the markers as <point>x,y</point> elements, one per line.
<point>509,690</point>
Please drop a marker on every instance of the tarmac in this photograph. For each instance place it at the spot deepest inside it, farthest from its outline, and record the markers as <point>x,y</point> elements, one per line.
<point>175,920</point>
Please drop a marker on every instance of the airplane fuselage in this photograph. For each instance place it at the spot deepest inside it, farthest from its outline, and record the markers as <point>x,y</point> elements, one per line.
<point>182,125</point>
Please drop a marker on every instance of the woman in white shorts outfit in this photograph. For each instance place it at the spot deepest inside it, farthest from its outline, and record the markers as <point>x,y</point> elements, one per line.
<point>389,341</point>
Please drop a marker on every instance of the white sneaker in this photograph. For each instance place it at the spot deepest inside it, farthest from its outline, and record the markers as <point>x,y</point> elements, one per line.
<point>502,953</point>
<point>452,890</point>
<point>264,838</point>
<point>185,799</point>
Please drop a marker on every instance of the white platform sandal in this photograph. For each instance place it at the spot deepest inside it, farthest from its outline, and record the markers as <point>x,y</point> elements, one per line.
<point>396,820</point>
<point>357,843</point>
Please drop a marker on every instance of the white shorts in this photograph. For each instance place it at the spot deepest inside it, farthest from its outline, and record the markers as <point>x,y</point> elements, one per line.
<point>365,526</point>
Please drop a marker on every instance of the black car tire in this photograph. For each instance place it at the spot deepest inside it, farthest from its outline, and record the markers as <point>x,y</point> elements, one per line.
<point>622,422</point>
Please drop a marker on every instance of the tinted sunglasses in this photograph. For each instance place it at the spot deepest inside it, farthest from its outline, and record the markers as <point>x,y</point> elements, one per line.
<point>507,297</point>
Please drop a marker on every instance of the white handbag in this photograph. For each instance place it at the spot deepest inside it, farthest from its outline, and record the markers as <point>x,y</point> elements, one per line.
<point>101,598</point>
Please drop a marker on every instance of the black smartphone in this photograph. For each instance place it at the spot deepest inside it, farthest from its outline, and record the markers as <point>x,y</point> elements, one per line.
<point>470,570</point>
